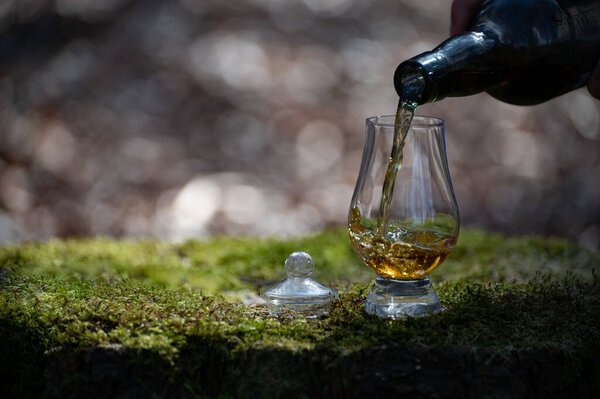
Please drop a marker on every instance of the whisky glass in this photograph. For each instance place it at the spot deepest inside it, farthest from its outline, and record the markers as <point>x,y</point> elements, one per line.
<point>421,224</point>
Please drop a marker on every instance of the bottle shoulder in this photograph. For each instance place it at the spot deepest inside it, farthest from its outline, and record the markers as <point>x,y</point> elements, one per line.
<point>522,23</point>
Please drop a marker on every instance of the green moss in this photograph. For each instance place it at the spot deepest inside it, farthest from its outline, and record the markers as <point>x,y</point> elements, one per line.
<point>215,266</point>
<point>228,264</point>
<point>164,300</point>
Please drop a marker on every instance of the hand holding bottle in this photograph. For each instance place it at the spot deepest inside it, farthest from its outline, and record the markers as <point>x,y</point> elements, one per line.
<point>461,14</point>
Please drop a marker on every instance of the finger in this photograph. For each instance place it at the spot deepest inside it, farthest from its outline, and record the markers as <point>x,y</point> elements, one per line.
<point>594,82</point>
<point>460,15</point>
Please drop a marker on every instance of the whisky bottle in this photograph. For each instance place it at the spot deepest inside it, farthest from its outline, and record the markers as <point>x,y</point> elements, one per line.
<point>521,52</point>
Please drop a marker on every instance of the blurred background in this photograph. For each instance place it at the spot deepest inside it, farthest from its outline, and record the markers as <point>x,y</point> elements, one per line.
<point>190,118</point>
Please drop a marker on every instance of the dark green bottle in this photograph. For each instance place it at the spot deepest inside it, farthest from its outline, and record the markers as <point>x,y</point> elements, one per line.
<point>519,51</point>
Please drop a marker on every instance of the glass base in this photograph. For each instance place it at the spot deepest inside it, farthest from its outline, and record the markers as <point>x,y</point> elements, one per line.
<point>398,299</point>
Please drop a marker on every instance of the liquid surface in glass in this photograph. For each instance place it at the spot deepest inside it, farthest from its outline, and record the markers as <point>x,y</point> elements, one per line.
<point>404,252</point>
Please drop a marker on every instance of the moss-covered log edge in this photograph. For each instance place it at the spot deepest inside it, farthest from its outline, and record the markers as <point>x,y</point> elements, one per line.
<point>76,318</point>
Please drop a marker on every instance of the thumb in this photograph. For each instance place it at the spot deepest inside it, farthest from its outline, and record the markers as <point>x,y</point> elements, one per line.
<point>593,83</point>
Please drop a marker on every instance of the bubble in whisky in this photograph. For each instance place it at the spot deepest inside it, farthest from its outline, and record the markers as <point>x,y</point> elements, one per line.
<point>406,253</point>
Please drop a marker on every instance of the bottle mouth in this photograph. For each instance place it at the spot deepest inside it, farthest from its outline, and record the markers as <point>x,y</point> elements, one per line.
<point>410,81</point>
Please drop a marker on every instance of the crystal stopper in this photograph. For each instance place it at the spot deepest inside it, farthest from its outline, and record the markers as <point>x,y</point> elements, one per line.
<point>298,293</point>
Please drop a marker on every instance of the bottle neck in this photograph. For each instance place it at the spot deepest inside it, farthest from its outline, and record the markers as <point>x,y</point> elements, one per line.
<point>463,65</point>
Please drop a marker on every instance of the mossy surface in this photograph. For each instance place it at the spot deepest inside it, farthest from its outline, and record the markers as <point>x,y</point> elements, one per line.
<point>175,308</point>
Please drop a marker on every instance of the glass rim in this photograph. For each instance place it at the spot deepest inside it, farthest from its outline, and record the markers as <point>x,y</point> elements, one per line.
<point>418,121</point>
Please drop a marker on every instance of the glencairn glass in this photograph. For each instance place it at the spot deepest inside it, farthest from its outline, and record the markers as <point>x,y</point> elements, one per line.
<point>420,226</point>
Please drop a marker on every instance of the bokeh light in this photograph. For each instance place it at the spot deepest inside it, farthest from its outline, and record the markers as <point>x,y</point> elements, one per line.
<point>193,118</point>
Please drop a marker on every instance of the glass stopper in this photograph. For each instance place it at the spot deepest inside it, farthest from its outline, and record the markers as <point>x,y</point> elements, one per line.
<point>299,264</point>
<point>299,294</point>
